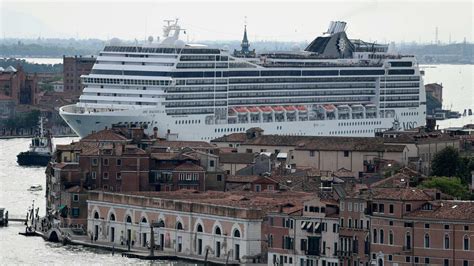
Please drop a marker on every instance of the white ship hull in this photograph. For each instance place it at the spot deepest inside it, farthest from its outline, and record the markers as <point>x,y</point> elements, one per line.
<point>167,127</point>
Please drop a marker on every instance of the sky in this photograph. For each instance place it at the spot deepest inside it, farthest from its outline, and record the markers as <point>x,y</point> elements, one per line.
<point>370,20</point>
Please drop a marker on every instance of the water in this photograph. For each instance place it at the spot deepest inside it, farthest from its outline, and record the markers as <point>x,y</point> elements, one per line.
<point>458,90</point>
<point>16,249</point>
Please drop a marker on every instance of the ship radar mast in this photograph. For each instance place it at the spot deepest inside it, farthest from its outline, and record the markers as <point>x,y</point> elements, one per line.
<point>171,32</point>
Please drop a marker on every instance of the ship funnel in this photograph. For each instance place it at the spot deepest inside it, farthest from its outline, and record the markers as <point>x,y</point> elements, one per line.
<point>336,26</point>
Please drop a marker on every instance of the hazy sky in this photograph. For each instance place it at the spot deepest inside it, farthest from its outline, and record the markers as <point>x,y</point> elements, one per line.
<point>381,21</point>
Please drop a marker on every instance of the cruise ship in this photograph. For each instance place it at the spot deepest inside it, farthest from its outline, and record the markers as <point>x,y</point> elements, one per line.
<point>336,86</point>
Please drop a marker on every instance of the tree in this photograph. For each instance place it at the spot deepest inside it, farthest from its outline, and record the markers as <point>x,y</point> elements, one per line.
<point>445,162</point>
<point>448,185</point>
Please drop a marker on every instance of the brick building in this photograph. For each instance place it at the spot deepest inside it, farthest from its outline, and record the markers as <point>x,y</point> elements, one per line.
<point>73,68</point>
<point>19,85</point>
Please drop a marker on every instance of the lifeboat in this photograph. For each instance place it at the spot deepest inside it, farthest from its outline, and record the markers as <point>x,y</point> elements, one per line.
<point>278,109</point>
<point>329,107</point>
<point>241,110</point>
<point>265,109</point>
<point>290,108</point>
<point>253,109</point>
<point>301,108</point>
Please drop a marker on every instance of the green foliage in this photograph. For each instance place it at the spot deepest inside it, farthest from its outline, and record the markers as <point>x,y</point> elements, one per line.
<point>449,185</point>
<point>24,120</point>
<point>445,162</point>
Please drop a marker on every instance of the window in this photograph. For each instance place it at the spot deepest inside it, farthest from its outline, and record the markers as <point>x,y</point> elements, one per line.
<point>390,257</point>
<point>105,175</point>
<point>346,153</point>
<point>75,212</point>
<point>427,225</point>
<point>407,259</point>
<point>105,161</point>
<point>381,236</point>
<point>446,227</point>
<point>311,153</point>
<point>341,206</point>
<point>381,208</point>
<point>427,260</point>
<point>270,187</point>
<point>417,259</point>
<point>211,163</point>
<point>342,222</point>
<point>119,162</point>
<point>118,176</point>
<point>349,206</point>
<point>466,243</point>
<point>375,236</point>
<point>237,233</point>
<point>270,240</point>
<point>179,226</point>
<point>356,207</point>
<point>446,262</point>
<point>446,241</point>
<point>199,228</point>
<point>217,231</point>
<point>466,228</point>
<point>390,237</point>
<point>427,241</point>
<point>408,207</point>
<point>390,208</point>
<point>350,223</point>
<point>219,177</point>
<point>94,161</point>
<point>258,188</point>
<point>75,197</point>
<point>465,263</point>
<point>93,175</point>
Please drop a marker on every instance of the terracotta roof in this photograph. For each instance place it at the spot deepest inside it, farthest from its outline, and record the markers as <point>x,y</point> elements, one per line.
<point>447,210</point>
<point>237,158</point>
<point>266,201</point>
<point>400,194</point>
<point>104,135</point>
<point>189,166</point>
<point>183,144</point>
<point>419,137</point>
<point>234,137</point>
<point>398,180</point>
<point>242,178</point>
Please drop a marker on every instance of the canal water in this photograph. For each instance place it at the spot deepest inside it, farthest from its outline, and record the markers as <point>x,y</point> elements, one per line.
<point>16,249</point>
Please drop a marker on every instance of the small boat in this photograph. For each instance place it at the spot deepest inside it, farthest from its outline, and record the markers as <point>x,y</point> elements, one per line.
<point>40,151</point>
<point>35,188</point>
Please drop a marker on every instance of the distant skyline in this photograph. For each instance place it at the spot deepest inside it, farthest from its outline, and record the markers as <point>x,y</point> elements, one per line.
<point>382,21</point>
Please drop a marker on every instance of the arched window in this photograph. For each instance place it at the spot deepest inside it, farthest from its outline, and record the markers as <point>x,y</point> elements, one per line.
<point>236,233</point>
<point>96,215</point>
<point>129,219</point>
<point>375,235</point>
<point>112,217</point>
<point>446,241</point>
<point>390,237</point>
<point>408,240</point>
<point>427,241</point>
<point>199,228</point>
<point>381,236</point>
<point>380,262</point>
<point>466,243</point>
<point>217,231</point>
<point>144,221</point>
<point>179,226</point>
<point>161,223</point>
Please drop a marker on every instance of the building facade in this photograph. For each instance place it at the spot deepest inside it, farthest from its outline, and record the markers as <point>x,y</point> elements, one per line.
<point>74,67</point>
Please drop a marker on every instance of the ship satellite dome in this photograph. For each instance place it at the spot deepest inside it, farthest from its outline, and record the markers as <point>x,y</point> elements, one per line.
<point>115,41</point>
<point>150,38</point>
<point>179,44</point>
<point>226,47</point>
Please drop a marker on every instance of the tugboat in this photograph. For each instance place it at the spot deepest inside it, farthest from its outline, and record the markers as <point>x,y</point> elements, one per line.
<point>40,150</point>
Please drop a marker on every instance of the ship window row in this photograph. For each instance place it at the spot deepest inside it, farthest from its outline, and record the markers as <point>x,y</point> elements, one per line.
<point>409,113</point>
<point>299,100</point>
<point>196,96</point>
<point>298,80</point>
<point>122,95</point>
<point>406,78</point>
<point>190,111</point>
<point>117,102</point>
<point>195,103</point>
<point>196,89</point>
<point>302,87</point>
<point>127,81</point>
<point>407,91</point>
<point>235,129</point>
<point>201,65</point>
<point>318,64</point>
<point>401,64</point>
<point>343,132</point>
<point>399,105</point>
<point>241,65</point>
<point>399,98</point>
<point>105,54</point>
<point>106,62</point>
<point>401,72</point>
<point>201,81</point>
<point>185,122</point>
<point>359,123</point>
<point>136,49</point>
<point>300,93</point>
<point>400,85</point>
<point>203,58</point>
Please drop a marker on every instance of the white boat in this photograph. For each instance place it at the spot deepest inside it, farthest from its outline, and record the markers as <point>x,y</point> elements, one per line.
<point>194,92</point>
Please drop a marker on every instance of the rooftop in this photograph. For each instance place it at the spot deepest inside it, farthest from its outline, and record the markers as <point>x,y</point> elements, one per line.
<point>400,194</point>
<point>237,158</point>
<point>447,210</point>
<point>234,137</point>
